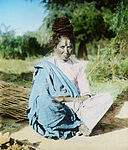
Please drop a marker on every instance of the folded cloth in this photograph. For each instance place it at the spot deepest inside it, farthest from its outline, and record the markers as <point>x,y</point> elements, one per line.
<point>48,117</point>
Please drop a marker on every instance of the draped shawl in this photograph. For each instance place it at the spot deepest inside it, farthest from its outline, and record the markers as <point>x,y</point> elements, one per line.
<point>48,117</point>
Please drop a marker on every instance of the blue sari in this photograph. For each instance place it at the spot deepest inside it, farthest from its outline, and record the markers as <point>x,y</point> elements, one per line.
<point>48,117</point>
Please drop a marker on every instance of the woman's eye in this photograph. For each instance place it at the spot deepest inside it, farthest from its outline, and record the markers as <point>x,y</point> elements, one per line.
<point>69,47</point>
<point>62,47</point>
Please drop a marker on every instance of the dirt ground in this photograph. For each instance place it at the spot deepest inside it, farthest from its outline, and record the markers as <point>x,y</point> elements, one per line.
<point>116,139</point>
<point>111,133</point>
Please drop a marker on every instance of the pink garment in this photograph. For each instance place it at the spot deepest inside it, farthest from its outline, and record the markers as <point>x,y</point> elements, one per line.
<point>91,110</point>
<point>75,71</point>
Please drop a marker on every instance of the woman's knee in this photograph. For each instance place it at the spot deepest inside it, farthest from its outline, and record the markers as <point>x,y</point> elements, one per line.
<point>107,98</point>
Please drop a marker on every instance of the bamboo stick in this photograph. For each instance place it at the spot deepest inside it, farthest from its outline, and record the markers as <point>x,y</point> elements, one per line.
<point>72,99</point>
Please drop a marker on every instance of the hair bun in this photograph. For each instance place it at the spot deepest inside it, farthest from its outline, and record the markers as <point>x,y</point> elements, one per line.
<point>62,26</point>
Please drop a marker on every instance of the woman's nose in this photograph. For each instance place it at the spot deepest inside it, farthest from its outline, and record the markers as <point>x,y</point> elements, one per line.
<point>66,50</point>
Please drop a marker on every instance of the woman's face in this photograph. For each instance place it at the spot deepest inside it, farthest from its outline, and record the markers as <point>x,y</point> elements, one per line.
<point>64,48</point>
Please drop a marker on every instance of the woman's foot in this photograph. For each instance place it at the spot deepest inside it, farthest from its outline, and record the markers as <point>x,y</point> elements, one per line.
<point>84,130</point>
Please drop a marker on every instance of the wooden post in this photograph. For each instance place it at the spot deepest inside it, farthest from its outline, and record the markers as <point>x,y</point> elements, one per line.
<point>112,65</point>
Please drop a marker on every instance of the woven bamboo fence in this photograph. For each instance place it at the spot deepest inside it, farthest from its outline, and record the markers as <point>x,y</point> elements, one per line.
<point>13,100</point>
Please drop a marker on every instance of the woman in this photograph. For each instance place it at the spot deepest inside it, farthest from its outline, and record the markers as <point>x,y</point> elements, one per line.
<point>60,103</point>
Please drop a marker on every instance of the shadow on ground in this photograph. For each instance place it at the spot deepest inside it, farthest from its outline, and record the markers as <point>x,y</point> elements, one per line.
<point>24,79</point>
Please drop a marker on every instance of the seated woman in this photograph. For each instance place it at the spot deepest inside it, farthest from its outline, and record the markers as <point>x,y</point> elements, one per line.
<point>60,103</point>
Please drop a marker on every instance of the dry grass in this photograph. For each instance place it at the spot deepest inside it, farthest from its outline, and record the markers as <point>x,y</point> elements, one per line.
<point>113,88</point>
<point>17,66</point>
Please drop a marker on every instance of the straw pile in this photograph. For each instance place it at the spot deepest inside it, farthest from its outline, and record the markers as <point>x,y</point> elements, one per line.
<point>13,100</point>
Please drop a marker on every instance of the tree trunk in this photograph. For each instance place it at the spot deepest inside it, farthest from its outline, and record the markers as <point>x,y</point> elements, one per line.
<point>82,50</point>
<point>13,100</point>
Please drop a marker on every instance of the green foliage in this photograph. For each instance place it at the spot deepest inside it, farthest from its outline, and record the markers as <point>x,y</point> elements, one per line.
<point>84,16</point>
<point>110,64</point>
<point>117,21</point>
<point>43,35</point>
<point>12,46</point>
<point>94,22</point>
<point>84,19</point>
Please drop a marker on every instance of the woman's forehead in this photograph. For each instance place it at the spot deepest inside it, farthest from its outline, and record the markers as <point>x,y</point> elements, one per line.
<point>64,41</point>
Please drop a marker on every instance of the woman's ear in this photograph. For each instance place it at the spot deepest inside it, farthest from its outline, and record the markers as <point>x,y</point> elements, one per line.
<point>55,48</point>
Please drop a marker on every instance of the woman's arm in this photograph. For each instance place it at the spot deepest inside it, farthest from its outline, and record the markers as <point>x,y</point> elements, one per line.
<point>82,81</point>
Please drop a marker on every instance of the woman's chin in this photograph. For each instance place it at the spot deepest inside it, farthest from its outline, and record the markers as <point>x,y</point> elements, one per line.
<point>65,58</point>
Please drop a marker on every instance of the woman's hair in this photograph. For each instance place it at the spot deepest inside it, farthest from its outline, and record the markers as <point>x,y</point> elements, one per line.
<point>62,27</point>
